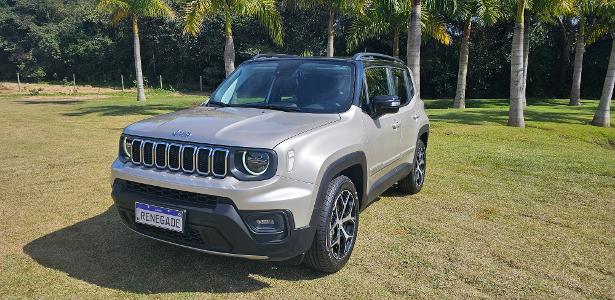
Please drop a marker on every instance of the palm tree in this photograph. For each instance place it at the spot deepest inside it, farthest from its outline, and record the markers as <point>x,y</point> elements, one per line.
<point>135,9</point>
<point>334,8</point>
<point>585,36</point>
<point>413,45</point>
<point>391,17</point>
<point>515,110</point>
<point>603,113</point>
<point>265,10</point>
<point>546,11</point>
<point>469,11</point>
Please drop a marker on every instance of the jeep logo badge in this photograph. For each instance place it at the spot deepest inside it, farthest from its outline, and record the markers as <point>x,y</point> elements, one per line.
<point>181,133</point>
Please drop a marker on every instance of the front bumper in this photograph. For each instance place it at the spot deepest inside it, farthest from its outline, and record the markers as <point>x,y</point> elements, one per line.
<point>213,224</point>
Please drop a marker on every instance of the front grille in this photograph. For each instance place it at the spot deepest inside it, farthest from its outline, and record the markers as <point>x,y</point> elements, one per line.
<point>180,157</point>
<point>175,195</point>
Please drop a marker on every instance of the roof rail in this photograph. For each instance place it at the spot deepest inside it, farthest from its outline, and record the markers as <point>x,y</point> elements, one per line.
<point>368,55</point>
<point>272,55</point>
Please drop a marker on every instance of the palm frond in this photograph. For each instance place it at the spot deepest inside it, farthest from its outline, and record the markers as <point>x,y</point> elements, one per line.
<point>366,28</point>
<point>436,28</point>
<point>118,16</point>
<point>267,14</point>
<point>194,13</point>
<point>595,32</point>
<point>157,8</point>
<point>111,6</point>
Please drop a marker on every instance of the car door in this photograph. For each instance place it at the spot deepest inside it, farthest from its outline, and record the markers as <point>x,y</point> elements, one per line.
<point>383,132</point>
<point>408,114</point>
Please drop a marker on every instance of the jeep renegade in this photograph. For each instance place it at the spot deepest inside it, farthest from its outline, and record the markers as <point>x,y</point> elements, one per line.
<point>280,160</point>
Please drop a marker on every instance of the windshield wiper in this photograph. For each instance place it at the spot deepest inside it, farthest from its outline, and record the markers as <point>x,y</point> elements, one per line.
<point>272,107</point>
<point>218,103</point>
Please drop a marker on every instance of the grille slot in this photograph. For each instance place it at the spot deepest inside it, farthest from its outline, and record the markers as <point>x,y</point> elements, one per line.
<point>181,157</point>
<point>173,156</point>
<point>203,160</point>
<point>188,158</point>
<point>136,152</point>
<point>161,155</point>
<point>218,161</point>
<point>148,153</point>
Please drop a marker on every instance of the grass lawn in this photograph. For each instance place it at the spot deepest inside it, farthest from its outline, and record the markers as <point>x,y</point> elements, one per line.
<point>505,213</point>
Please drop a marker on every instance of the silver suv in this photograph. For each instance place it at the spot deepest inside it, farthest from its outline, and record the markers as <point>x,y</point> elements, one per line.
<point>279,162</point>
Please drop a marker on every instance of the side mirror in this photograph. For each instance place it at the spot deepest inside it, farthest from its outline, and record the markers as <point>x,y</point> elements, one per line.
<point>386,104</point>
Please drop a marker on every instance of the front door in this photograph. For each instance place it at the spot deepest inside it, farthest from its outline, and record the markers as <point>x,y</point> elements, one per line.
<point>383,132</point>
<point>408,113</point>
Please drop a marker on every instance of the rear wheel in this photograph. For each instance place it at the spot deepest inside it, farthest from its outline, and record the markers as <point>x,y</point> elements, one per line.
<point>337,227</point>
<point>413,183</point>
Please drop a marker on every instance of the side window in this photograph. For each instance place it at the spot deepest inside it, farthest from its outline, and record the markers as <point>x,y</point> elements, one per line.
<point>410,85</point>
<point>401,84</point>
<point>377,82</point>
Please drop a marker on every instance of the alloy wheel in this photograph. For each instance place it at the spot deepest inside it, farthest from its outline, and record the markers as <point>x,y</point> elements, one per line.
<point>343,224</point>
<point>419,167</point>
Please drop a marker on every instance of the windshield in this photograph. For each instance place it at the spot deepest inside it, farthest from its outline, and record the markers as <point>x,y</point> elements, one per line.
<point>290,85</point>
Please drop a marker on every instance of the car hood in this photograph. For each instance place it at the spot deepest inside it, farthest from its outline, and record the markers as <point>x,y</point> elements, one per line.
<point>230,126</point>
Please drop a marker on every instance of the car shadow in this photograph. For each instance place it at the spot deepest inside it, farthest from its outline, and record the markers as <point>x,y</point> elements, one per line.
<point>101,251</point>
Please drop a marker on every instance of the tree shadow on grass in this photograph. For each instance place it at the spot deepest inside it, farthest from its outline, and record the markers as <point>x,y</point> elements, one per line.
<point>57,102</point>
<point>124,110</point>
<point>479,117</point>
<point>101,251</point>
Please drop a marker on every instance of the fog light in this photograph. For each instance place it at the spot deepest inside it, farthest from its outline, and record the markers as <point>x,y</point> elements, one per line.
<point>266,222</point>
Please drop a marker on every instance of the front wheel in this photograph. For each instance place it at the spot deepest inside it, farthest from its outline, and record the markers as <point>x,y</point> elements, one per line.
<point>337,227</point>
<point>413,183</point>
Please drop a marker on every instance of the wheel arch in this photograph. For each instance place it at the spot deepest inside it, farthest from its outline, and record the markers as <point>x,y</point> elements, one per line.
<point>424,134</point>
<point>352,165</point>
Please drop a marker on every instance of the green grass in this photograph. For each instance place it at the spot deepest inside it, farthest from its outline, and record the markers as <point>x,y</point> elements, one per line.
<point>505,213</point>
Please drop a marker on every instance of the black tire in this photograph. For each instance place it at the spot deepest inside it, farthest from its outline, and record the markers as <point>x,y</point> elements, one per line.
<point>331,247</point>
<point>413,183</point>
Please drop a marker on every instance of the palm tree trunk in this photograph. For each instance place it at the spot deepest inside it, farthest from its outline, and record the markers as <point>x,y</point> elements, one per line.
<point>229,47</point>
<point>414,44</point>
<point>330,34</point>
<point>137,49</point>
<point>460,95</point>
<point>565,60</point>
<point>526,55</point>
<point>515,111</point>
<point>396,42</point>
<point>575,91</point>
<point>603,113</point>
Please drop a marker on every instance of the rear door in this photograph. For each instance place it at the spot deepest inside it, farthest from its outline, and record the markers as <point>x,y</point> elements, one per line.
<point>408,116</point>
<point>383,132</point>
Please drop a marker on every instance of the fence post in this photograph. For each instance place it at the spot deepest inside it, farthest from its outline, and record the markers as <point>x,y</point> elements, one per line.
<point>74,84</point>
<point>161,82</point>
<point>18,82</point>
<point>201,83</point>
<point>122,75</point>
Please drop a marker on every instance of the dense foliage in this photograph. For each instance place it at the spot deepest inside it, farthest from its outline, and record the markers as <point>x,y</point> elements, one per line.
<point>52,39</point>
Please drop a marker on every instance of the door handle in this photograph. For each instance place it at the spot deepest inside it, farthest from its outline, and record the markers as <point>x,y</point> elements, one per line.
<point>395,125</point>
<point>416,117</point>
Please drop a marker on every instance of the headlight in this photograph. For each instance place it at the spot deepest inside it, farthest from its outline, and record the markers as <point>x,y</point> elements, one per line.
<point>125,147</point>
<point>256,162</point>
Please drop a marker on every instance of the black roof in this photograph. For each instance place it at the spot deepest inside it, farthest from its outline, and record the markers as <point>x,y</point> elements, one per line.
<point>363,56</point>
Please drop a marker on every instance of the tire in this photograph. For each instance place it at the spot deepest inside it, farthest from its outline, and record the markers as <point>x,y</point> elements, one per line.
<point>335,236</point>
<point>413,183</point>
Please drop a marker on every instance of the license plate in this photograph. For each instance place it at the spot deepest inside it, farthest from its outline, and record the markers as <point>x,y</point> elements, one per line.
<point>170,219</point>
